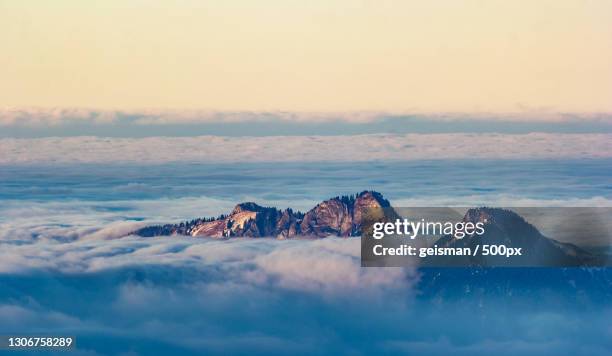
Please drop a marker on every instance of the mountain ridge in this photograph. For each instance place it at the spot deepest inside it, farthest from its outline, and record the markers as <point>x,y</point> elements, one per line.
<point>339,216</point>
<point>353,215</point>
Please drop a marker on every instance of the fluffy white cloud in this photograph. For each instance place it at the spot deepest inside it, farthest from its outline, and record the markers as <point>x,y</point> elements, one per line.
<point>325,265</point>
<point>329,266</point>
<point>245,296</point>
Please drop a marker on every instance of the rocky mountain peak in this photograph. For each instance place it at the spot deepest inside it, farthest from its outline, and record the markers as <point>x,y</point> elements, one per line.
<point>507,228</point>
<point>248,207</point>
<point>502,220</point>
<point>372,198</point>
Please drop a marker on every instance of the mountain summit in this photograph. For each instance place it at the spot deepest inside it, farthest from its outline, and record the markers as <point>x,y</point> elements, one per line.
<point>339,216</point>
<point>507,228</point>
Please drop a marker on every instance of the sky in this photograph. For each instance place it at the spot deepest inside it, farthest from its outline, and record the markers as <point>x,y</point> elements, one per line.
<point>416,56</point>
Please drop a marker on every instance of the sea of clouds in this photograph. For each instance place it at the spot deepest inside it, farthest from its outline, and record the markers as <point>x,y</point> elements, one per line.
<point>352,148</point>
<point>70,267</point>
<point>186,295</point>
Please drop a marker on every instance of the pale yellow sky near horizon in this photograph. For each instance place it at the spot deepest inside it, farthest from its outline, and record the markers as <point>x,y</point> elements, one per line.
<point>429,56</point>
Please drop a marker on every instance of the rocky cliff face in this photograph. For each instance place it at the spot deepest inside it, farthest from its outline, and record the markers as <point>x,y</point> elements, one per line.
<point>339,216</point>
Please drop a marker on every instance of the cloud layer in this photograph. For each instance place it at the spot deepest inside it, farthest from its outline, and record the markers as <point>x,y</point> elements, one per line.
<point>263,296</point>
<point>67,122</point>
<point>32,116</point>
<point>65,269</point>
<point>305,148</point>
<point>324,266</point>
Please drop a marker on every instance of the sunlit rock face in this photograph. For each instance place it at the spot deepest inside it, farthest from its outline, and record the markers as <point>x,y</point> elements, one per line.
<point>342,216</point>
